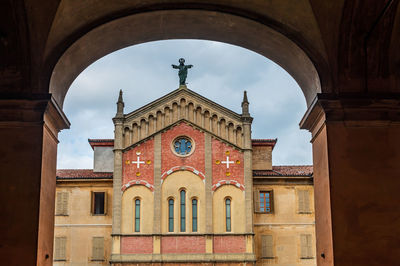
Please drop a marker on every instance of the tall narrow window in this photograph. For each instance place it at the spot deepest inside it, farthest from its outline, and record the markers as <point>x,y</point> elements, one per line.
<point>228,214</point>
<point>194,215</point>
<point>171,215</point>
<point>99,203</point>
<point>137,215</point>
<point>183,211</point>
<point>266,201</point>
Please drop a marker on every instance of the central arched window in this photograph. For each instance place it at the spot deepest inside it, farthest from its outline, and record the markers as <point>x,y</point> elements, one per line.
<point>183,210</point>
<point>171,215</point>
<point>228,217</point>
<point>137,215</point>
<point>194,215</point>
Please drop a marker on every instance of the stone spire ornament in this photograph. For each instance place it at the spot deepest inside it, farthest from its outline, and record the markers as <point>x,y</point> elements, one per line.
<point>120,104</point>
<point>245,105</point>
<point>183,70</point>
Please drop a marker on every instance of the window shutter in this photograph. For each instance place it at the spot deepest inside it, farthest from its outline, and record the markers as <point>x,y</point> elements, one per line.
<point>271,200</point>
<point>59,203</point>
<point>267,246</point>
<point>98,248</point>
<point>105,202</point>
<point>62,203</point>
<point>304,201</point>
<point>306,246</point>
<point>91,202</point>
<point>309,246</point>
<point>256,200</point>
<point>300,194</point>
<point>60,248</point>
<point>65,203</point>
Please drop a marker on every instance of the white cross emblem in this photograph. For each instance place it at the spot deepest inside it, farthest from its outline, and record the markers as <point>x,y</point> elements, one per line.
<point>227,162</point>
<point>138,162</point>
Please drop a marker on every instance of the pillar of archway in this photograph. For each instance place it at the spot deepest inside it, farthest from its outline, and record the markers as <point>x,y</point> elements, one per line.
<point>29,129</point>
<point>356,153</point>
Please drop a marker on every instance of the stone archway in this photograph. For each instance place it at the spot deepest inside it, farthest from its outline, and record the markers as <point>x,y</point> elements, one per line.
<point>186,24</point>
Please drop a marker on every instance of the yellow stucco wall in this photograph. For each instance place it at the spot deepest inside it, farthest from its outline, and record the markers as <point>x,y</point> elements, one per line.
<point>194,187</point>
<point>285,225</point>
<point>237,208</point>
<point>146,209</point>
<point>80,226</point>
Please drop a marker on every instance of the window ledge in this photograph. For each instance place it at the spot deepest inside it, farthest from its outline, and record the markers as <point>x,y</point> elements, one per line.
<point>310,212</point>
<point>61,215</point>
<point>307,258</point>
<point>59,259</point>
<point>97,260</point>
<point>267,258</point>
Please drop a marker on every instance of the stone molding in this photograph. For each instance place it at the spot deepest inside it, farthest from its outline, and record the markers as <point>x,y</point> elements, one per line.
<point>183,258</point>
<point>353,110</point>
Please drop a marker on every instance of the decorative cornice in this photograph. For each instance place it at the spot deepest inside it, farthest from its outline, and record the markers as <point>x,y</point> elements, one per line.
<point>354,110</point>
<point>170,96</point>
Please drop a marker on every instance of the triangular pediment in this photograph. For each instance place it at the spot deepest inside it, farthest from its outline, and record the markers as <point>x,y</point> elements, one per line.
<point>183,104</point>
<point>194,126</point>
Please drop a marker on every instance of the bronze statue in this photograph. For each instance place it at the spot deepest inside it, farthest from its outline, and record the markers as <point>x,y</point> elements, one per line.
<point>183,70</point>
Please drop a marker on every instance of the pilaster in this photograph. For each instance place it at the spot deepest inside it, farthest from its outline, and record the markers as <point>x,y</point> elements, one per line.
<point>355,157</point>
<point>208,183</point>
<point>117,175</point>
<point>29,128</point>
<point>157,184</point>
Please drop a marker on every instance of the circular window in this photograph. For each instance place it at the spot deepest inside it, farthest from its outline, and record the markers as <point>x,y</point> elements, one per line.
<point>183,146</point>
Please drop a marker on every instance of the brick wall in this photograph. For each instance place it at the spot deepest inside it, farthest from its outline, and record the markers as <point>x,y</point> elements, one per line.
<point>137,245</point>
<point>220,170</point>
<point>146,170</point>
<point>183,244</point>
<point>229,244</point>
<point>170,159</point>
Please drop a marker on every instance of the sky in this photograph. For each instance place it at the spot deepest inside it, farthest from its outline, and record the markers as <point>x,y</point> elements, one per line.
<point>221,73</point>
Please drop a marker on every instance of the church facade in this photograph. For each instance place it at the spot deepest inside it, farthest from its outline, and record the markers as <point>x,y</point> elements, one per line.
<point>183,182</point>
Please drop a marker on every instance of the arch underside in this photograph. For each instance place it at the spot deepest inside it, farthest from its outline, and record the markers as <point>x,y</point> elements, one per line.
<point>184,24</point>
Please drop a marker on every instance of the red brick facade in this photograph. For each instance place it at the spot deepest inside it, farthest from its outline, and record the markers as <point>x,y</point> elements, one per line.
<point>170,160</point>
<point>183,244</point>
<point>136,244</point>
<point>229,244</point>
<point>220,153</point>
<point>145,172</point>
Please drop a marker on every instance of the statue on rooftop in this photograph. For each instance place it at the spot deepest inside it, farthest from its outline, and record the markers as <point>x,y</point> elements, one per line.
<point>183,70</point>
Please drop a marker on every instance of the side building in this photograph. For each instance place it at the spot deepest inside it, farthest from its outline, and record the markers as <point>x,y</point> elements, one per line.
<point>182,182</point>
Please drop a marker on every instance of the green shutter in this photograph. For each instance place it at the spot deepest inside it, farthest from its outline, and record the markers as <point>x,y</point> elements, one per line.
<point>98,248</point>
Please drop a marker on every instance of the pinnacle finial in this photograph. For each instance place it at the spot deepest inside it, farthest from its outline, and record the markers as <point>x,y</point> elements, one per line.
<point>245,105</point>
<point>120,96</point>
<point>120,104</point>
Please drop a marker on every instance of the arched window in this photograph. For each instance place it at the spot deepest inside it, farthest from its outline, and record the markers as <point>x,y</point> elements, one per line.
<point>183,210</point>
<point>171,215</point>
<point>194,215</point>
<point>137,215</point>
<point>228,217</point>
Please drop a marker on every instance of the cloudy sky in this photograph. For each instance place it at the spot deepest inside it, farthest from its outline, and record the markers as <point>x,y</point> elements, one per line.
<point>221,72</point>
